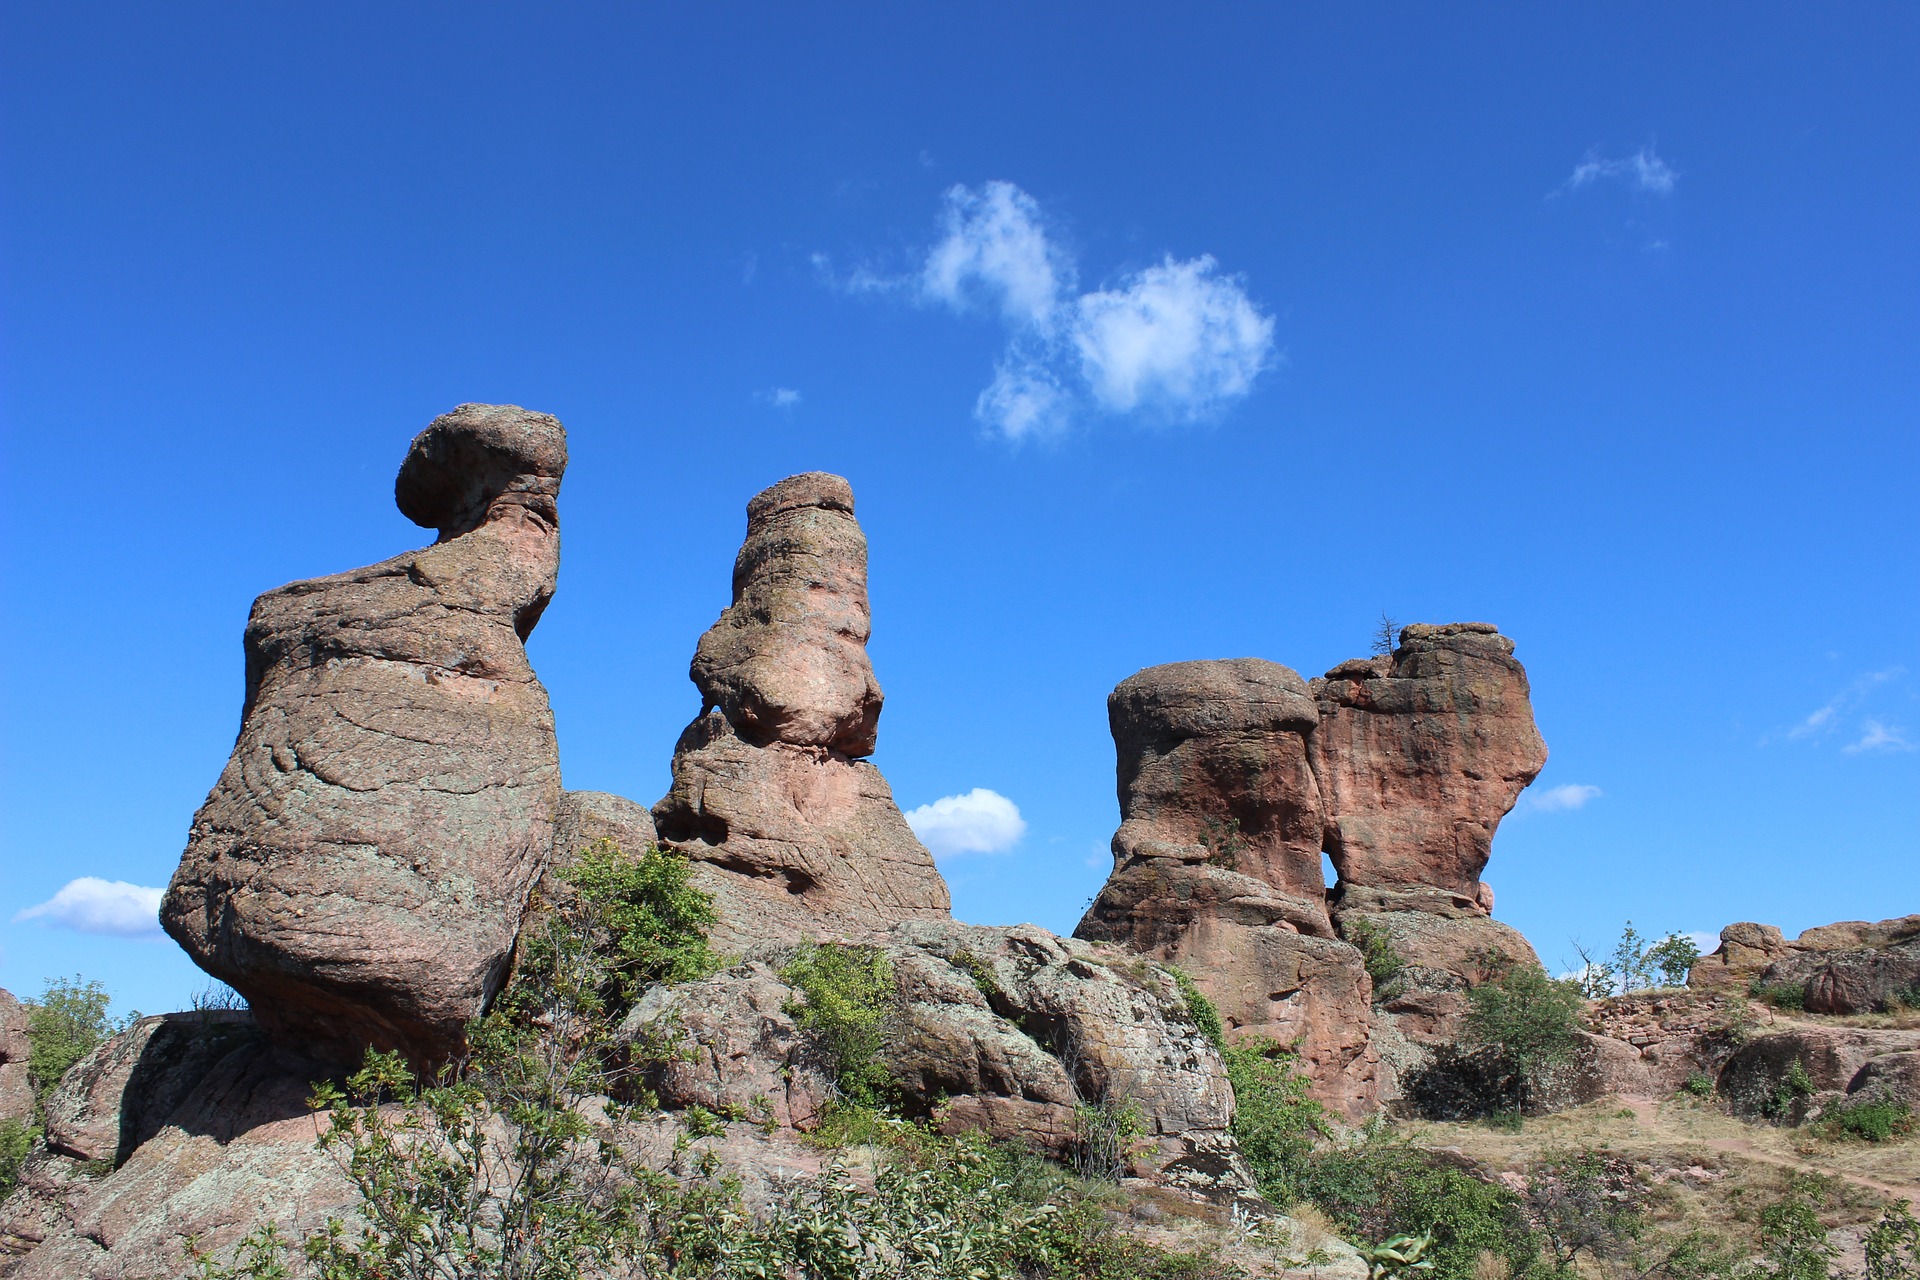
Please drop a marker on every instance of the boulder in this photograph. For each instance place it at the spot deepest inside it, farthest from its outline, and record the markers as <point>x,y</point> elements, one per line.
<point>1217,861</point>
<point>16,1089</point>
<point>1833,1058</point>
<point>118,1096</point>
<point>361,866</point>
<point>797,835</point>
<point>235,1151</point>
<point>1745,950</point>
<point>1891,1077</point>
<point>1419,755</point>
<point>1855,966</point>
<point>1005,1030</point>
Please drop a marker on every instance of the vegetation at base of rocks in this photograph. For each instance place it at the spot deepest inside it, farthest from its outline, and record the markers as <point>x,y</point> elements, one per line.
<point>1384,963</point>
<point>1528,1023</point>
<point>981,972</point>
<point>649,921</point>
<point>1698,1084</point>
<point>16,1141</point>
<point>1781,995</point>
<point>1637,964</point>
<point>1794,1088</point>
<point>1871,1121</point>
<point>848,1011</point>
<point>68,1021</point>
<point>1106,1137</point>
<point>1892,1246</point>
<point>1793,1240</point>
<point>1205,1016</point>
<point>1275,1119</point>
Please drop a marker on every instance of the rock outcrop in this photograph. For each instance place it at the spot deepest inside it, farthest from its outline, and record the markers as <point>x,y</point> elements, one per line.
<point>1217,861</point>
<point>361,866</point>
<point>798,835</point>
<point>1419,755</point>
<point>16,1090</point>
<point>225,1144</point>
<point>1004,1030</point>
<point>1851,967</point>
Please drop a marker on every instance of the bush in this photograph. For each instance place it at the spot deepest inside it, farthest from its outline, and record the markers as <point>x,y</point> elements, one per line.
<point>1892,1245</point>
<point>1384,963</point>
<point>1199,1008</point>
<point>649,919</point>
<point>1873,1121</point>
<point>1586,1203</point>
<point>16,1141</point>
<point>1793,1240</point>
<point>1275,1120</point>
<point>847,1016</point>
<point>64,1025</point>
<point>1781,995</point>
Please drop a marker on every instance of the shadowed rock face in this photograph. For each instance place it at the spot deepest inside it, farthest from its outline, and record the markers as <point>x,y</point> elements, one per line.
<point>16,1091</point>
<point>361,866</point>
<point>1217,861</point>
<point>796,835</point>
<point>1420,755</point>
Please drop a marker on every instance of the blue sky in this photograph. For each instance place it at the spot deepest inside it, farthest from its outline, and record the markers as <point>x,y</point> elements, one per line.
<point>1143,334</point>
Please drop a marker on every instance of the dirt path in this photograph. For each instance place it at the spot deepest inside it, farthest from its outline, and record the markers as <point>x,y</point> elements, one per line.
<point>1646,1112</point>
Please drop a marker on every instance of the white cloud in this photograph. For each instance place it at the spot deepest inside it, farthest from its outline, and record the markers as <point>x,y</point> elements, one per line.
<point>1177,340</point>
<point>778,397</point>
<point>1175,335</point>
<point>1643,171</point>
<point>93,905</point>
<point>981,821</point>
<point>1565,797</point>
<point>996,244</point>
<point>1876,736</point>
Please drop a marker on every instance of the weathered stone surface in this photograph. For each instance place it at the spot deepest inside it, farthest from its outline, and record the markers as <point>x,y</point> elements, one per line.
<point>797,836</point>
<point>787,661</point>
<point>1000,1029</point>
<point>1420,755</point>
<point>360,868</point>
<point>1891,1077</point>
<point>118,1096</point>
<point>16,1090</point>
<point>1674,1033</point>
<point>237,1151</point>
<point>1216,800</point>
<point>1854,966</point>
<point>1832,1056</point>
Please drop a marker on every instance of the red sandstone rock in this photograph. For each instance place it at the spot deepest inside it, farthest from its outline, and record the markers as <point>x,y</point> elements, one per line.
<point>796,836</point>
<point>1855,966</point>
<point>361,866</point>
<point>1217,861</point>
<point>1420,755</point>
<point>16,1090</point>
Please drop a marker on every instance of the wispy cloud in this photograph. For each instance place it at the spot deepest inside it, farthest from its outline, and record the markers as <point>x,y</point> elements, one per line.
<point>1876,736</point>
<point>93,905</point>
<point>1564,798</point>
<point>1851,711</point>
<point>1644,170</point>
<point>778,397</point>
<point>1178,341</point>
<point>981,821</point>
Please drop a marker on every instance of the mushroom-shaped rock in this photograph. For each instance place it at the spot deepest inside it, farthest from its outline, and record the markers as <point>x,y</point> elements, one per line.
<point>792,832</point>
<point>362,864</point>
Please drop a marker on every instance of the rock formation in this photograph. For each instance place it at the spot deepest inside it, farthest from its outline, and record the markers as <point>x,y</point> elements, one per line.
<point>1005,1030</point>
<point>1419,756</point>
<point>1217,860</point>
<point>1851,967</point>
<point>361,866</point>
<point>16,1090</point>
<point>798,835</point>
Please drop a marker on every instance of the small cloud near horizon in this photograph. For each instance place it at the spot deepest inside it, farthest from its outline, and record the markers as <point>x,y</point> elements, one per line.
<point>1564,798</point>
<point>113,908</point>
<point>1178,341</point>
<point>980,821</point>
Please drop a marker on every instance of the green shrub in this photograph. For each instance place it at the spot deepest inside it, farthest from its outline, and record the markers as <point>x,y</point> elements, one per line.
<point>1892,1245</point>
<point>64,1025</point>
<point>1793,1240</point>
<point>847,1014</point>
<point>1873,1121</point>
<point>1205,1016</point>
<point>651,921</point>
<point>981,972</point>
<point>1698,1084</point>
<point>1384,963</point>
<point>1781,995</point>
<point>1106,1137</point>
<point>1794,1087</point>
<point>1275,1119</point>
<point>16,1141</point>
